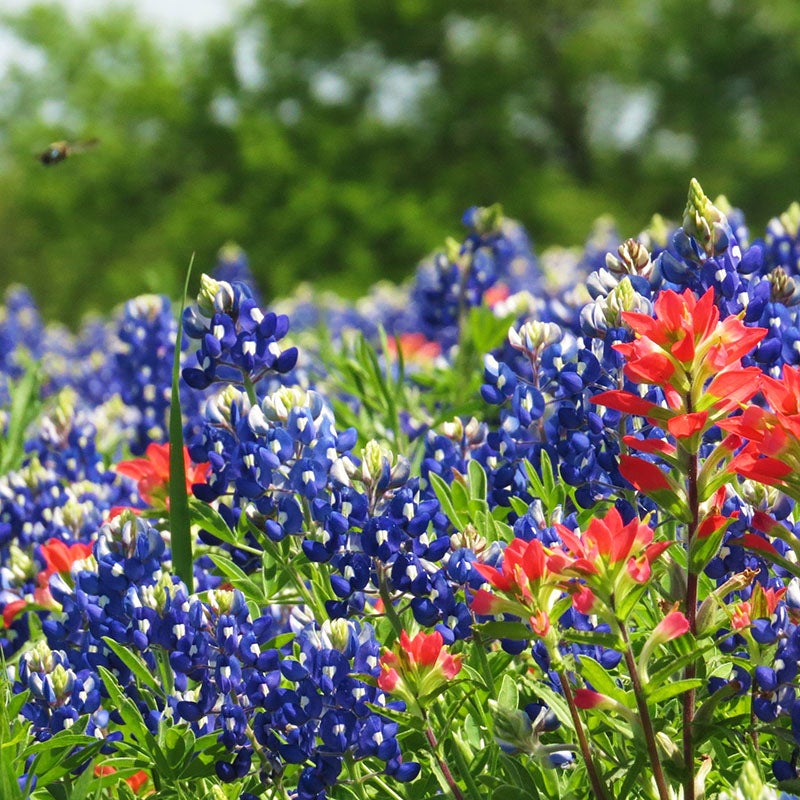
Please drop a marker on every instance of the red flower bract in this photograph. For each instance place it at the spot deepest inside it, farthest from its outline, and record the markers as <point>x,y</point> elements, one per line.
<point>418,666</point>
<point>151,473</point>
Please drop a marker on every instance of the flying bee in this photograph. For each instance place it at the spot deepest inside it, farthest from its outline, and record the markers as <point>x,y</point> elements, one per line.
<point>58,151</point>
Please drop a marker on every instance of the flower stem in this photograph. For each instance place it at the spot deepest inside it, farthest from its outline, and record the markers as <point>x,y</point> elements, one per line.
<point>594,777</point>
<point>389,609</point>
<point>691,615</point>
<point>644,716</point>
<point>250,389</point>
<point>448,776</point>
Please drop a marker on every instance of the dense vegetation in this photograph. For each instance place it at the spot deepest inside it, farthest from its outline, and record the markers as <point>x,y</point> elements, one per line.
<point>336,140</point>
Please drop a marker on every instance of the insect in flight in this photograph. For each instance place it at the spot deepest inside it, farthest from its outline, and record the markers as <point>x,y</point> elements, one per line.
<point>58,151</point>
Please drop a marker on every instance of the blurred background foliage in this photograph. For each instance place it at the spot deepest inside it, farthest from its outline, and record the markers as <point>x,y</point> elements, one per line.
<point>340,140</point>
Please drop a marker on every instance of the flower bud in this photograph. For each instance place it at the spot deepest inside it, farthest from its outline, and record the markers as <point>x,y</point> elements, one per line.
<point>534,335</point>
<point>632,259</point>
<point>488,219</point>
<point>783,288</point>
<point>338,631</point>
<point>749,786</point>
<point>205,297</point>
<point>219,408</point>
<point>452,250</point>
<point>513,729</point>
<point>704,222</point>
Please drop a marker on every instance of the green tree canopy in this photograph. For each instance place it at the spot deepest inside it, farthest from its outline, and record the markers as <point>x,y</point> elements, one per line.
<point>340,140</point>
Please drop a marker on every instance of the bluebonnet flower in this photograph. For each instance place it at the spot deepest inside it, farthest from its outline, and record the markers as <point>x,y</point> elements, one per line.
<point>59,695</point>
<point>238,341</point>
<point>270,459</point>
<point>447,285</point>
<point>143,361</point>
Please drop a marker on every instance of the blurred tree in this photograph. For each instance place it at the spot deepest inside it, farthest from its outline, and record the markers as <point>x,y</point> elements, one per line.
<point>339,140</point>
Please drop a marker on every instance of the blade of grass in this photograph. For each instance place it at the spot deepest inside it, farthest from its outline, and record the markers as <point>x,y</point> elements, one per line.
<point>179,520</point>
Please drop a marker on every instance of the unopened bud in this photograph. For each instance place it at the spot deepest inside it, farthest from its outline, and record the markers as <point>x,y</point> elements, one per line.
<point>534,335</point>
<point>703,221</point>
<point>783,288</point>
<point>632,259</point>
<point>512,728</point>
<point>205,297</point>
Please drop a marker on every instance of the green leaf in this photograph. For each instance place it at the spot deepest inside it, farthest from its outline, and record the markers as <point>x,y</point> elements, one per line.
<point>25,407</point>
<point>702,550</point>
<point>517,631</point>
<point>558,705</point>
<point>509,792</point>
<point>593,638</point>
<point>477,481</point>
<point>135,664</point>
<point>179,521</point>
<point>207,517</point>
<point>508,695</point>
<point>671,690</point>
<point>519,506</point>
<point>460,496</point>
<point>664,674</point>
<point>600,678</point>
<point>247,585</point>
<point>128,711</point>
<point>445,497</point>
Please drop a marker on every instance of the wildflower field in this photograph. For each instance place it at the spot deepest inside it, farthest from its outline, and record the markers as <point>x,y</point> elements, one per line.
<point>525,527</point>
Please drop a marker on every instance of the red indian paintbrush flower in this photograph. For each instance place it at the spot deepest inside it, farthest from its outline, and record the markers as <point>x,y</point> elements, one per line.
<point>772,452</point>
<point>524,585</point>
<point>418,666</point>
<point>694,357</point>
<point>151,474</point>
<point>686,332</point>
<point>610,557</point>
<point>58,558</point>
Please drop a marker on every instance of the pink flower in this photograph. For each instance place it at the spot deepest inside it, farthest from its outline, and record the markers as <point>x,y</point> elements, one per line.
<point>671,627</point>
<point>415,348</point>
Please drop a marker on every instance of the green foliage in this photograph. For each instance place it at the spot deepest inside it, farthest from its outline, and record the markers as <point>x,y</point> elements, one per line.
<point>24,408</point>
<point>356,369</point>
<point>180,529</point>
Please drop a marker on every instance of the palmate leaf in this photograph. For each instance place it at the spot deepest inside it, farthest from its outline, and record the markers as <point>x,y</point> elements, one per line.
<point>179,520</point>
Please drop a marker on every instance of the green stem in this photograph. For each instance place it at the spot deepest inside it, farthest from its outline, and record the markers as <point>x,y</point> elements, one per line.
<point>250,389</point>
<point>308,597</point>
<point>753,717</point>
<point>358,786</point>
<point>644,716</point>
<point>691,615</point>
<point>594,777</point>
<point>385,789</point>
<point>389,609</point>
